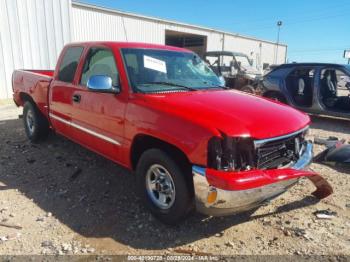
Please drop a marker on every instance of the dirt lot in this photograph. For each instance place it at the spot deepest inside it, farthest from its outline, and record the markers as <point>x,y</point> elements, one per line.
<point>68,200</point>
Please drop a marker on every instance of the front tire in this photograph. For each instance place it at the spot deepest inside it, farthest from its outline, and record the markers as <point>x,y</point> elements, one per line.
<point>36,125</point>
<point>163,187</point>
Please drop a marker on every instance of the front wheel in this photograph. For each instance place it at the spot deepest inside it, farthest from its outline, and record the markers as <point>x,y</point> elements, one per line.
<point>163,187</point>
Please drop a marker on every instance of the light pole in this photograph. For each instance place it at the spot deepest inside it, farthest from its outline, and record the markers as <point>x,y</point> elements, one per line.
<point>279,24</point>
<point>347,55</point>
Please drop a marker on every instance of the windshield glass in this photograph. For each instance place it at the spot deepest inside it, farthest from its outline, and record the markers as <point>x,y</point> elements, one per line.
<point>243,60</point>
<point>151,70</point>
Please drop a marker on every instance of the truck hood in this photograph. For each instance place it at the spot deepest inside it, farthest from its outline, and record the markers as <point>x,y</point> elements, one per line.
<point>233,112</point>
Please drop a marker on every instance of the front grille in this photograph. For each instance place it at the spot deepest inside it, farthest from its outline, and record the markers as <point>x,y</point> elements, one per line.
<point>279,152</point>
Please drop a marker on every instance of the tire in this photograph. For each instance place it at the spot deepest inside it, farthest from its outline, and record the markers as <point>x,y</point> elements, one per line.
<point>277,97</point>
<point>36,125</point>
<point>248,89</point>
<point>175,206</point>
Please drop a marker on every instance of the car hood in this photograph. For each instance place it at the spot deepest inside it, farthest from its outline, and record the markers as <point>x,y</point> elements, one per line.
<point>232,112</point>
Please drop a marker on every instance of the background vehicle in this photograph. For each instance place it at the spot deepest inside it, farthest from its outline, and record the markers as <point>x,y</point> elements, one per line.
<point>236,68</point>
<point>160,111</point>
<point>315,88</point>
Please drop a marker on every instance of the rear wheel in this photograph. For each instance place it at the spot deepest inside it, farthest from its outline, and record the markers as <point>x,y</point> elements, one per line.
<point>36,125</point>
<point>248,89</point>
<point>163,187</point>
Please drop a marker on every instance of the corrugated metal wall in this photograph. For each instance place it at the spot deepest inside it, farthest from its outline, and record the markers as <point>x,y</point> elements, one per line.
<point>32,34</point>
<point>263,49</point>
<point>94,23</point>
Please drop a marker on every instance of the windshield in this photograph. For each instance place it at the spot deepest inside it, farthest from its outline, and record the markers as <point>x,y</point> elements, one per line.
<point>151,70</point>
<point>243,60</point>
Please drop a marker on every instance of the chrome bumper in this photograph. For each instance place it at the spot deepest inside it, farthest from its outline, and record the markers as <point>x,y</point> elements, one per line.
<point>230,202</point>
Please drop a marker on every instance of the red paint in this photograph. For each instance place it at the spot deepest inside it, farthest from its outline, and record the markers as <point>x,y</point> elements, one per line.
<point>186,120</point>
<point>258,178</point>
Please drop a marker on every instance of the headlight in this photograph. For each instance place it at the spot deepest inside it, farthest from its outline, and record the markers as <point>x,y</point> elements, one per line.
<point>231,153</point>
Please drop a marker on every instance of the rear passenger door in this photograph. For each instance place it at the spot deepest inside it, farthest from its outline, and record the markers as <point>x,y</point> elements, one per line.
<point>98,118</point>
<point>62,88</point>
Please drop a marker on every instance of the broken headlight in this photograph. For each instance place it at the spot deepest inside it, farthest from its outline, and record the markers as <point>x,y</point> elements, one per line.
<point>231,153</point>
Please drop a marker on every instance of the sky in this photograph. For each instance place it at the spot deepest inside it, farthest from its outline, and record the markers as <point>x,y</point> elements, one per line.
<point>314,30</point>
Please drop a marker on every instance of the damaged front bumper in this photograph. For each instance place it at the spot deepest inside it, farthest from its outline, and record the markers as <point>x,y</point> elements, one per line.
<point>223,193</point>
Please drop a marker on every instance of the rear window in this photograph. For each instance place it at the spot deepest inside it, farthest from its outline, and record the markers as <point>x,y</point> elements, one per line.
<point>69,64</point>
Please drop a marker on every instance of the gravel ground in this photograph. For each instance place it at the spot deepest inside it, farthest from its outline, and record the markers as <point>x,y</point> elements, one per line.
<point>67,200</point>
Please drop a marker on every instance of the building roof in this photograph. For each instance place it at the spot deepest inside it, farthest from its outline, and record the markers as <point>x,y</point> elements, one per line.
<point>226,53</point>
<point>154,19</point>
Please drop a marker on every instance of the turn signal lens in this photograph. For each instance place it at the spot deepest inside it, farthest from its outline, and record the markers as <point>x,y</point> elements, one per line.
<point>212,195</point>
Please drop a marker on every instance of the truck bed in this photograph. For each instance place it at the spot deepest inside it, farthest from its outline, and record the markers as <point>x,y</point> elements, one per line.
<point>33,83</point>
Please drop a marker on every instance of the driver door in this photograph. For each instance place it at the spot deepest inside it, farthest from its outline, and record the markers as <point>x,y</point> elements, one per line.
<point>98,118</point>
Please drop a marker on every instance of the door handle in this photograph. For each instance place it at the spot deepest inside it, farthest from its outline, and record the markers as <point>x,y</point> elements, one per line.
<point>76,98</point>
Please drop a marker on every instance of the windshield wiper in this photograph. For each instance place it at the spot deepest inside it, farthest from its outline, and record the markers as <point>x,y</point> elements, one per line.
<point>171,84</point>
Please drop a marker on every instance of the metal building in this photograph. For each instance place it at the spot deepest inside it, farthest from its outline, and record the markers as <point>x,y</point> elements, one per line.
<point>33,32</point>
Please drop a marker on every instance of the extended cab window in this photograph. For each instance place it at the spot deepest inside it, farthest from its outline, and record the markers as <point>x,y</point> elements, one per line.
<point>69,64</point>
<point>100,61</point>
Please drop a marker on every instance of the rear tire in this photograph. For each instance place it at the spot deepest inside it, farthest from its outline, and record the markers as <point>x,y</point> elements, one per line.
<point>36,125</point>
<point>248,89</point>
<point>163,187</point>
<point>277,97</point>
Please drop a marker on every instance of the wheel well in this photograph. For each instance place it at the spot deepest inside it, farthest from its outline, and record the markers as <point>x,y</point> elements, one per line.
<point>142,143</point>
<point>25,97</point>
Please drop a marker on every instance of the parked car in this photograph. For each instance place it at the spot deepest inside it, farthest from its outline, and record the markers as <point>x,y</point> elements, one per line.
<point>315,88</point>
<point>236,68</point>
<point>160,112</point>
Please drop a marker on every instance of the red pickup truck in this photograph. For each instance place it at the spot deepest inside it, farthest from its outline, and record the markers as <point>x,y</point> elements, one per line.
<point>162,112</point>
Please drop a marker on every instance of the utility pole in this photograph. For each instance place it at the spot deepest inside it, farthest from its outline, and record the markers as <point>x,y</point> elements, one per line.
<point>347,55</point>
<point>223,42</point>
<point>279,24</point>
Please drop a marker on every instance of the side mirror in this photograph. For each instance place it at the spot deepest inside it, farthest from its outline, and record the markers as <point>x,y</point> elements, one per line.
<point>102,83</point>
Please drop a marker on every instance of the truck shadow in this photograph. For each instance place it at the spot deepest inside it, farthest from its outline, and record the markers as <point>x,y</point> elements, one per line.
<point>95,197</point>
<point>331,124</point>
<point>334,125</point>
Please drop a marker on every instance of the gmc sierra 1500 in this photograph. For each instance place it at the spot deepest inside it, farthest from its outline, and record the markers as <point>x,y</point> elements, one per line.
<point>161,112</point>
